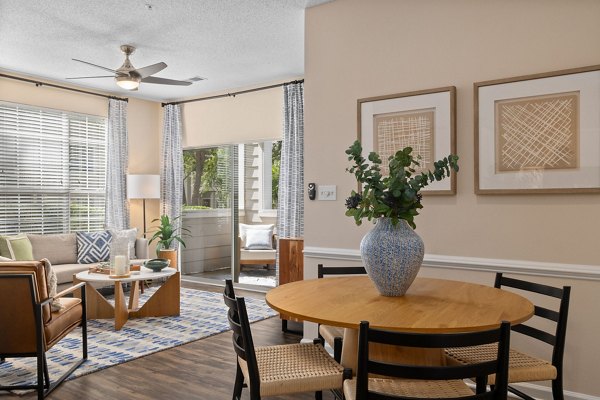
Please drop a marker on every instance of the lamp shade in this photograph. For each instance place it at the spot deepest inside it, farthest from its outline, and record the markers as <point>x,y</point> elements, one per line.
<point>143,186</point>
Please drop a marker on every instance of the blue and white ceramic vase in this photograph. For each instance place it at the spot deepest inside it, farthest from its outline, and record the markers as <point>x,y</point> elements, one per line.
<point>392,256</point>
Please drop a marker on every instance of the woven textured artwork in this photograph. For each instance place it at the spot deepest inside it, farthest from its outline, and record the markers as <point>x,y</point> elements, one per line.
<point>395,131</point>
<point>540,132</point>
<point>203,314</point>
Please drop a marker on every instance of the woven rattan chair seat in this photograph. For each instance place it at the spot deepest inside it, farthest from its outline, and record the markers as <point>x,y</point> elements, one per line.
<point>521,367</point>
<point>411,388</point>
<point>330,332</point>
<point>294,368</point>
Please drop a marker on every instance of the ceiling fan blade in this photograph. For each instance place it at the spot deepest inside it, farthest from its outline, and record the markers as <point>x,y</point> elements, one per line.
<point>163,81</point>
<point>95,65</point>
<point>151,69</point>
<point>89,77</point>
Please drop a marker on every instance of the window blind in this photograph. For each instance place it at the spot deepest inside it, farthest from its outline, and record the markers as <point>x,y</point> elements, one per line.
<point>52,170</point>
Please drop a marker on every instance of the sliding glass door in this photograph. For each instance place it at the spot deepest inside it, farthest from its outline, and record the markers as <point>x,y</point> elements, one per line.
<point>223,187</point>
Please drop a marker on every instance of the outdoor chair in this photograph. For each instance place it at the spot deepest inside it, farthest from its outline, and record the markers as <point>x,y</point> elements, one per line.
<point>257,245</point>
<point>30,327</point>
<point>410,381</point>
<point>277,370</point>
<point>524,367</point>
<point>333,335</point>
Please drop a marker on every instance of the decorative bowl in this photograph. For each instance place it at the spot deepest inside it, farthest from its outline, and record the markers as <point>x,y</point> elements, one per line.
<point>157,264</point>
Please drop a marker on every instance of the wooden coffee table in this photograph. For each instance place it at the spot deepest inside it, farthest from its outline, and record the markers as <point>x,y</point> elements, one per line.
<point>163,302</point>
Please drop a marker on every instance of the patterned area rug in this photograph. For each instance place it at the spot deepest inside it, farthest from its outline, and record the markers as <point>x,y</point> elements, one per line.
<point>203,314</point>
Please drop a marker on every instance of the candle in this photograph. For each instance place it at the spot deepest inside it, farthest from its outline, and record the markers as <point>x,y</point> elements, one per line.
<point>120,265</point>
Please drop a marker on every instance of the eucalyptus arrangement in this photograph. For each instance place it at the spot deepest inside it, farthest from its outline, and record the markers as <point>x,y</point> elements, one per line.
<point>395,196</point>
<point>166,233</point>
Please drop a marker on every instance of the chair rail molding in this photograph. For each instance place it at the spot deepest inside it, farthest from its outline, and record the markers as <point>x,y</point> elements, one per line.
<point>572,271</point>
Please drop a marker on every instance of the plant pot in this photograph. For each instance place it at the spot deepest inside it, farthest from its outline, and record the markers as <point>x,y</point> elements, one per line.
<point>169,254</point>
<point>392,256</point>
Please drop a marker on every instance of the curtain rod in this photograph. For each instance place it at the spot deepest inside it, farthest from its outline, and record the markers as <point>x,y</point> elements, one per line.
<point>234,93</point>
<point>38,84</point>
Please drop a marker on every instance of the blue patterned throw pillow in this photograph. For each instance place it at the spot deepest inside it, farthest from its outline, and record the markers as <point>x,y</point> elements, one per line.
<point>93,247</point>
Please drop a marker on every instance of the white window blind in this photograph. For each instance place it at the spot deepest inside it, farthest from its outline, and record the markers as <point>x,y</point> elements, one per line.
<point>52,170</point>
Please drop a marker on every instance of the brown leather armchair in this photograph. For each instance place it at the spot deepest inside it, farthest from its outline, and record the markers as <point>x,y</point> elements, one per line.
<point>29,326</point>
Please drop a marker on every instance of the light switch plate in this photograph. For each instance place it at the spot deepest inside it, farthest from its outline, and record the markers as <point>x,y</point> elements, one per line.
<point>327,192</point>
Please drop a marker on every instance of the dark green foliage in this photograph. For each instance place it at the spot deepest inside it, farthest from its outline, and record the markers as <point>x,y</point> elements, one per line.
<point>166,233</point>
<point>395,196</point>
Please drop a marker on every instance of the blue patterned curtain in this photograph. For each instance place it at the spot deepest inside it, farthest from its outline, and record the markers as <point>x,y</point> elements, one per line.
<point>290,213</point>
<point>171,183</point>
<point>117,208</point>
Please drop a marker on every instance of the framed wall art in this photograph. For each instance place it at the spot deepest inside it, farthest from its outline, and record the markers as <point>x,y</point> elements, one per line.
<point>424,120</point>
<point>538,133</point>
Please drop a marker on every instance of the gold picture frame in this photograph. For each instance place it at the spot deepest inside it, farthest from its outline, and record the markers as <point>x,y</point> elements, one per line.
<point>424,120</point>
<point>538,133</point>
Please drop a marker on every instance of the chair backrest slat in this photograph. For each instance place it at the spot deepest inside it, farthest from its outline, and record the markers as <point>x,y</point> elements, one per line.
<point>498,366</point>
<point>557,339</point>
<point>535,333</point>
<point>529,286</point>
<point>239,348</point>
<point>243,343</point>
<point>322,271</point>
<point>434,340</point>
<point>547,313</point>
<point>410,371</point>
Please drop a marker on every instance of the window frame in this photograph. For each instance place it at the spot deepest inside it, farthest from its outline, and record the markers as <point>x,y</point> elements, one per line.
<point>28,130</point>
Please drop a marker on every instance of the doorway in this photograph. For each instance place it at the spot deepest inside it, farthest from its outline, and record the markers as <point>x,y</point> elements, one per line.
<point>223,187</point>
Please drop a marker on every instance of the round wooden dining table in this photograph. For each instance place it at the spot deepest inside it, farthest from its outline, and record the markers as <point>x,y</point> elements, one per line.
<point>429,305</point>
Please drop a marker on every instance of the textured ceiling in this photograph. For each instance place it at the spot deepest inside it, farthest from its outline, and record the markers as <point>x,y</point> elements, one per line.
<point>232,43</point>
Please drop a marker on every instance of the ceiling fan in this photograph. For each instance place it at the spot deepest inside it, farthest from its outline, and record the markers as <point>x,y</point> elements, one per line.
<point>128,77</point>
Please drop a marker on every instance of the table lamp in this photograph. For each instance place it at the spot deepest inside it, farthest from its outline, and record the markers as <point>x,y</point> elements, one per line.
<point>143,187</point>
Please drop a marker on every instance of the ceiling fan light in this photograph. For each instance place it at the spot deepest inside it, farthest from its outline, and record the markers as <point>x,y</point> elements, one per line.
<point>128,82</point>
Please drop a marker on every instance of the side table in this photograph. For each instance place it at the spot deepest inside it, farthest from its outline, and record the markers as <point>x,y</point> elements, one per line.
<point>291,267</point>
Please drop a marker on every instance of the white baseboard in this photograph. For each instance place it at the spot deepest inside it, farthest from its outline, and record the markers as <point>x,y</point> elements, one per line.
<point>545,393</point>
<point>542,392</point>
<point>572,271</point>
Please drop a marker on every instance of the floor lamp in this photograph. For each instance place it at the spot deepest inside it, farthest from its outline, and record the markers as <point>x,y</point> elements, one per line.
<point>143,187</point>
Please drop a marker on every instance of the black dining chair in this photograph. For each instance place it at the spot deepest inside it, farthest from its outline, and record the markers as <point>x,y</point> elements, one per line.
<point>333,335</point>
<point>278,370</point>
<point>522,366</point>
<point>397,380</point>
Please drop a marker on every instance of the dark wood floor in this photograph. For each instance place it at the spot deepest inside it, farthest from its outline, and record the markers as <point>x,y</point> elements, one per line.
<point>204,370</point>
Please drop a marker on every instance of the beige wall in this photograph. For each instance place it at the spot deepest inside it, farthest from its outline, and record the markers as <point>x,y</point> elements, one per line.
<point>243,118</point>
<point>144,127</point>
<point>142,124</point>
<point>357,49</point>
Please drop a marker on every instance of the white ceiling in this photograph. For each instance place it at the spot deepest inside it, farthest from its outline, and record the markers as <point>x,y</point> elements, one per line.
<point>232,43</point>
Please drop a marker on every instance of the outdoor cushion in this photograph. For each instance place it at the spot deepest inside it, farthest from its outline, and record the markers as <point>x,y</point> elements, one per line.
<point>60,248</point>
<point>259,239</point>
<point>249,255</point>
<point>93,247</point>
<point>245,227</point>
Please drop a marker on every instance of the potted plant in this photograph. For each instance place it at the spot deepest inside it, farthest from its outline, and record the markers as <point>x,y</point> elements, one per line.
<point>392,252</point>
<point>166,234</point>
